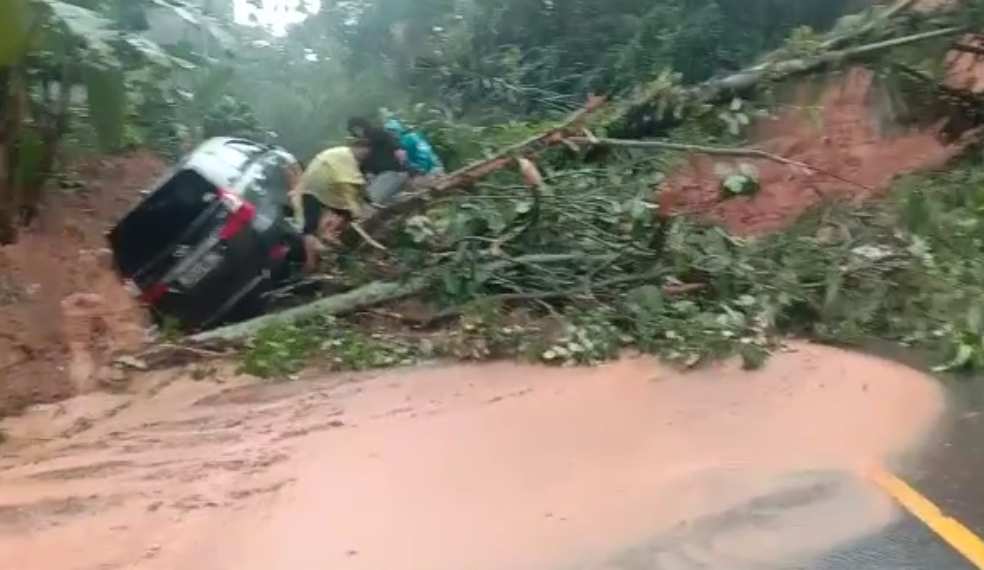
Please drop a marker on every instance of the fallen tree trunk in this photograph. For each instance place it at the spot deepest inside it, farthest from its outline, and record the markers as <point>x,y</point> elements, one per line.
<point>776,71</point>
<point>873,24</point>
<point>722,87</point>
<point>479,169</point>
<point>468,175</point>
<point>366,296</point>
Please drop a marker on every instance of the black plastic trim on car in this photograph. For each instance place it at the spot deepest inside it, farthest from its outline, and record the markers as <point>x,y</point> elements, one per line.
<point>234,300</point>
<point>194,226</point>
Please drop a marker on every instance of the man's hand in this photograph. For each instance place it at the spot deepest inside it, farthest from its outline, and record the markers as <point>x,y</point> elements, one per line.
<point>331,227</point>
<point>312,253</point>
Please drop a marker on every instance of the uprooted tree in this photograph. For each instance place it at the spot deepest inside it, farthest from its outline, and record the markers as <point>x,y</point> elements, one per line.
<point>503,245</point>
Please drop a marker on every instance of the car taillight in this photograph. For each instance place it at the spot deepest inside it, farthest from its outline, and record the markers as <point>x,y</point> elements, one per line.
<point>151,295</point>
<point>241,216</point>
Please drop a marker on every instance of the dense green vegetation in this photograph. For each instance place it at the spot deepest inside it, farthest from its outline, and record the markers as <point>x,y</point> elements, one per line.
<point>910,269</point>
<point>488,62</point>
<point>588,250</point>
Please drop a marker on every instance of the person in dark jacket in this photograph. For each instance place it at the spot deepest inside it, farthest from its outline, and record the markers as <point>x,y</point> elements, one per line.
<point>386,174</point>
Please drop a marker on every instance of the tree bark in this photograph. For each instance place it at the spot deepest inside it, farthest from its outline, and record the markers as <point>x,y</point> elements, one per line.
<point>55,127</point>
<point>720,88</point>
<point>751,77</point>
<point>873,24</point>
<point>479,169</point>
<point>9,124</point>
<point>366,296</point>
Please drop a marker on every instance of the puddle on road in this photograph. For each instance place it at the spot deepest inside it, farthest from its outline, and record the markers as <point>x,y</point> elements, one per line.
<point>511,466</point>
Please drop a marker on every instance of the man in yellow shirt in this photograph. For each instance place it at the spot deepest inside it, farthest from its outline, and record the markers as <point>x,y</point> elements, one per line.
<point>330,195</point>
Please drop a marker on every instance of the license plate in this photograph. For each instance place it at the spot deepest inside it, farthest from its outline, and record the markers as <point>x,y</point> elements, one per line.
<point>200,269</point>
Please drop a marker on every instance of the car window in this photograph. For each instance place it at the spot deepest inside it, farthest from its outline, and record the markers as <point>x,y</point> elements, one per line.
<point>266,186</point>
<point>223,162</point>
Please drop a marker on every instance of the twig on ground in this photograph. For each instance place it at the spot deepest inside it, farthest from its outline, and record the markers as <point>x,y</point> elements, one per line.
<point>368,238</point>
<point>189,349</point>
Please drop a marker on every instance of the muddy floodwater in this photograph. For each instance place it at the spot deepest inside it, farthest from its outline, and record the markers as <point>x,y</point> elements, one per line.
<point>469,467</point>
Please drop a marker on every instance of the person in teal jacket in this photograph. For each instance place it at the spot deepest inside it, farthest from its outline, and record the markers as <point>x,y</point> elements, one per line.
<point>419,155</point>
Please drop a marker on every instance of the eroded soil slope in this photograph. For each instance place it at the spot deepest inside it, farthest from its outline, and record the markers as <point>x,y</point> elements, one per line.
<point>62,311</point>
<point>843,132</point>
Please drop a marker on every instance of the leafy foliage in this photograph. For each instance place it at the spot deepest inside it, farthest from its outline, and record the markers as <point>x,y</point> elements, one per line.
<point>283,350</point>
<point>14,14</point>
<point>49,49</point>
<point>909,270</point>
<point>484,63</point>
<point>590,249</point>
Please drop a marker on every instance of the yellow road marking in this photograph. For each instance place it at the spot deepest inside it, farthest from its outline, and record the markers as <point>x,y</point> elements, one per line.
<point>949,529</point>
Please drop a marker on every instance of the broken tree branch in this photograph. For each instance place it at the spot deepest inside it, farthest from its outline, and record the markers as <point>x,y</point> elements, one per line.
<point>966,96</point>
<point>363,297</point>
<point>722,87</point>
<point>366,296</point>
<point>368,238</point>
<point>873,23</point>
<point>712,89</point>
<point>479,169</point>
<point>718,151</point>
<point>468,175</point>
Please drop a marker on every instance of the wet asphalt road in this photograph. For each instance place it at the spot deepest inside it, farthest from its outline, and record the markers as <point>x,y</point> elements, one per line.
<point>722,542</point>
<point>949,471</point>
<point>907,545</point>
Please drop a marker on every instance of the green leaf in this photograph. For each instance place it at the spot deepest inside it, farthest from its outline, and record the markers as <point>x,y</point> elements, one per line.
<point>95,31</point>
<point>30,155</point>
<point>834,284</point>
<point>647,299</point>
<point>736,183</point>
<point>975,320</point>
<point>153,53</point>
<point>179,11</point>
<point>106,94</point>
<point>965,353</point>
<point>13,39</point>
<point>753,357</point>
